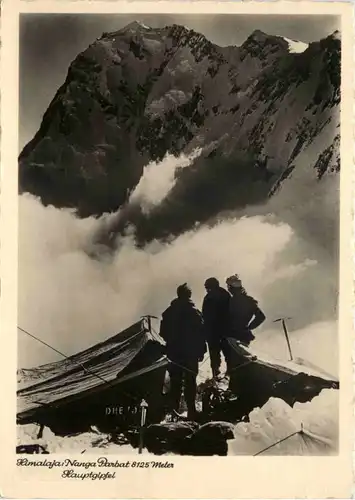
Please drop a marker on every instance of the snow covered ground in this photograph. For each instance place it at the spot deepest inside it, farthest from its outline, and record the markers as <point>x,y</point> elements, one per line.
<point>276,420</point>
<point>269,424</point>
<point>90,442</point>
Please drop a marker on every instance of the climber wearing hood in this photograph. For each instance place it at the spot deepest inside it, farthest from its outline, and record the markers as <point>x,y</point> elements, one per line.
<point>244,312</point>
<point>182,329</point>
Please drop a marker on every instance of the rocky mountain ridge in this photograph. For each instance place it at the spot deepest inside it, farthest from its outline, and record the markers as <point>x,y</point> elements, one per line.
<point>135,95</point>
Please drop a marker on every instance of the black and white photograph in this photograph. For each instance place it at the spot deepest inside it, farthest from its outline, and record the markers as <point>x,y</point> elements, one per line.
<point>179,234</point>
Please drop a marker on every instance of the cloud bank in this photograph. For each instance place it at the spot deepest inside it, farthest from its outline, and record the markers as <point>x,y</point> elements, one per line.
<point>72,300</point>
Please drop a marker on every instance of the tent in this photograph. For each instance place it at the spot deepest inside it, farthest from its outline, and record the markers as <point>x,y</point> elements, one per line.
<point>303,443</point>
<point>255,378</point>
<point>274,376</point>
<point>103,385</point>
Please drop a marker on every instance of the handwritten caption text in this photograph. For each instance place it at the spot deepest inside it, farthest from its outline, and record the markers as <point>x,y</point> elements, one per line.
<point>73,468</point>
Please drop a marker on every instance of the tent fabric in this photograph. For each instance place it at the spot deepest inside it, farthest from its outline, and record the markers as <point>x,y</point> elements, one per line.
<point>86,372</point>
<point>27,377</point>
<point>290,368</point>
<point>303,443</point>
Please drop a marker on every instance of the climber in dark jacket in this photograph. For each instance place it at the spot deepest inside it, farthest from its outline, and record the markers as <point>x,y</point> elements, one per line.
<point>215,311</point>
<point>182,329</point>
<point>244,312</point>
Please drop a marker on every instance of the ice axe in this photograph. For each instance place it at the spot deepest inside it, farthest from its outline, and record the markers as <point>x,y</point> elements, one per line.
<point>149,318</point>
<point>283,321</point>
<point>144,409</point>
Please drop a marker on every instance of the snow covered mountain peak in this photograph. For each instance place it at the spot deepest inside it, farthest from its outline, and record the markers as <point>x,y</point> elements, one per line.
<point>136,25</point>
<point>135,95</point>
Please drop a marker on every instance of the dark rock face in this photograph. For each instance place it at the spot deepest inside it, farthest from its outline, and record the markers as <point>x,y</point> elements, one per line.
<point>139,93</point>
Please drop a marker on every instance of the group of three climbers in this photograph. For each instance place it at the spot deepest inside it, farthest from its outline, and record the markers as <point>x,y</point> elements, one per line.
<point>187,333</point>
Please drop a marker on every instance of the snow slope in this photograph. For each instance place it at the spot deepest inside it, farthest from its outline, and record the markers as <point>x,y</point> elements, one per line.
<point>276,420</point>
<point>269,424</point>
<point>296,47</point>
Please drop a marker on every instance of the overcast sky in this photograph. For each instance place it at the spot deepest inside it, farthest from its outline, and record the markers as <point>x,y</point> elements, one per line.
<point>48,44</point>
